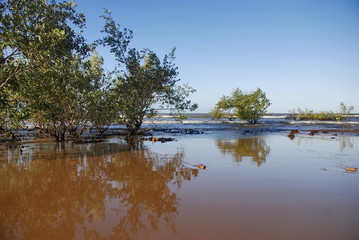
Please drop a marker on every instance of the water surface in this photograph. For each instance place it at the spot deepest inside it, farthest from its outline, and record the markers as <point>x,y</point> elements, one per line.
<point>256,187</point>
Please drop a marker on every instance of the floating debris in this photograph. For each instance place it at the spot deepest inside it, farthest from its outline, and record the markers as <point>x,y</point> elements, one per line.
<point>312,132</point>
<point>182,131</point>
<point>201,166</point>
<point>292,132</point>
<point>351,169</point>
<point>291,135</point>
<point>164,139</point>
<point>155,139</point>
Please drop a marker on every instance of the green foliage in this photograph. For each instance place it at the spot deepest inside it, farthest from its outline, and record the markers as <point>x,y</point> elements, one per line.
<point>250,106</point>
<point>70,98</point>
<point>52,77</point>
<point>216,113</point>
<point>13,114</point>
<point>308,114</point>
<point>147,84</point>
<point>45,66</point>
<point>344,111</point>
<point>118,40</point>
<point>225,104</point>
<point>31,31</point>
<point>223,109</point>
<point>40,60</point>
<point>246,106</point>
<point>180,117</point>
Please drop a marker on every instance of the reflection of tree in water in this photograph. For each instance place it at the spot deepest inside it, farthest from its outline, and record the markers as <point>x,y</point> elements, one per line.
<point>254,148</point>
<point>61,196</point>
<point>345,142</point>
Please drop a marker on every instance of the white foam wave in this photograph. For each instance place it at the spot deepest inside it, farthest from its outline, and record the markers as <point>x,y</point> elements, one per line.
<point>324,122</point>
<point>274,116</point>
<point>189,121</point>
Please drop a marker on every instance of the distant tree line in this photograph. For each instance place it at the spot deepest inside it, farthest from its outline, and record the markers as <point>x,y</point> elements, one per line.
<point>308,114</point>
<point>251,106</point>
<point>52,77</point>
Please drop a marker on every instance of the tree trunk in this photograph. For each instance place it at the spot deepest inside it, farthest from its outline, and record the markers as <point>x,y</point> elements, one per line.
<point>131,132</point>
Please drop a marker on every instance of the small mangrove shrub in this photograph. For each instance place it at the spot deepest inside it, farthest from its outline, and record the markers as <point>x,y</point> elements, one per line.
<point>247,106</point>
<point>308,114</point>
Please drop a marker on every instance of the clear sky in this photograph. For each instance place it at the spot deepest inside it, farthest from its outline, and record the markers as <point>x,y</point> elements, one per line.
<point>302,53</point>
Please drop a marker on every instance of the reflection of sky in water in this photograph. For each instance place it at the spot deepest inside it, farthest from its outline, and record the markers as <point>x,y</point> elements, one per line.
<point>253,187</point>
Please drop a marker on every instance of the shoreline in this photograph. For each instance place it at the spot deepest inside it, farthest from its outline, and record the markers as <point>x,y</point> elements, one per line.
<point>175,129</point>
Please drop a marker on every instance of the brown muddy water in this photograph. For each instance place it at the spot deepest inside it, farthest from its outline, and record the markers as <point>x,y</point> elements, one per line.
<point>256,187</point>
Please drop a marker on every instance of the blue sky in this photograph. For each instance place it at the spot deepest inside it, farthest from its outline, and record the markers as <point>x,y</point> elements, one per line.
<point>302,53</point>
